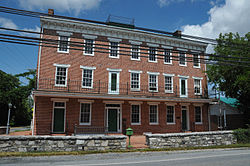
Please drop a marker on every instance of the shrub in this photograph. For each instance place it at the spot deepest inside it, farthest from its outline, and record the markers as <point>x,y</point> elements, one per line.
<point>242,135</point>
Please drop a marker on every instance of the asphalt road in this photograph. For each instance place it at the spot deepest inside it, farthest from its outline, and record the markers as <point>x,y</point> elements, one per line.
<point>228,157</point>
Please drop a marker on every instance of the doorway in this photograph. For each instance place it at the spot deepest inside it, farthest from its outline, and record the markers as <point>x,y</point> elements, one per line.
<point>113,119</point>
<point>184,118</point>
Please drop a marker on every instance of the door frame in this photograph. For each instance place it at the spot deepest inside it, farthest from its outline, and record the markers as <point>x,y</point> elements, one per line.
<point>119,116</point>
<point>187,116</point>
<point>53,116</point>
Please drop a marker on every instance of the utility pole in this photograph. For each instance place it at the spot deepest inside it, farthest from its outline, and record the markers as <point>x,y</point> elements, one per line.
<point>8,122</point>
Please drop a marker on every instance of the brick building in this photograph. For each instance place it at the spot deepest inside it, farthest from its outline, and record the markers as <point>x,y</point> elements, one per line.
<point>108,77</point>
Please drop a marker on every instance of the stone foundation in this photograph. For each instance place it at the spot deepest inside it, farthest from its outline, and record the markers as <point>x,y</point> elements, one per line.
<point>195,139</point>
<point>61,143</point>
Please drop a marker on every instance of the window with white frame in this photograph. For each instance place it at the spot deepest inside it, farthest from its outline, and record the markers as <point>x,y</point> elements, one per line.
<point>198,114</point>
<point>168,84</point>
<point>63,44</point>
<point>152,54</point>
<point>135,81</point>
<point>85,114</point>
<point>182,59</point>
<point>183,87</point>
<point>167,56</point>
<point>170,114</point>
<point>61,76</point>
<point>135,55</point>
<point>114,50</point>
<point>89,47</point>
<point>153,114</point>
<point>153,83</point>
<point>87,78</point>
<point>196,60</point>
<point>135,114</point>
<point>197,87</point>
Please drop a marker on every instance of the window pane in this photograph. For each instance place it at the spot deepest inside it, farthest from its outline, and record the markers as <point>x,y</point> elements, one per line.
<point>135,52</point>
<point>183,87</point>
<point>135,114</point>
<point>197,86</point>
<point>85,113</point>
<point>61,76</point>
<point>135,81</point>
<point>196,60</point>
<point>63,43</point>
<point>87,78</point>
<point>153,83</point>
<point>89,46</point>
<point>113,81</point>
<point>113,49</point>
<point>59,104</point>
<point>152,54</point>
<point>167,58</point>
<point>153,114</point>
<point>182,59</point>
<point>198,114</point>
<point>170,114</point>
<point>168,84</point>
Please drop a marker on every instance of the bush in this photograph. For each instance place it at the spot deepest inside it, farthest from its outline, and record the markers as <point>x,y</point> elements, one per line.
<point>242,135</point>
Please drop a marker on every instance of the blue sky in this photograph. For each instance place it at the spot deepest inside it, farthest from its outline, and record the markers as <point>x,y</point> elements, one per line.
<point>205,18</point>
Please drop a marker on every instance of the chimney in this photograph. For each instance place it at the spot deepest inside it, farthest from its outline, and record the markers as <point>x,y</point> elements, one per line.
<point>177,33</point>
<point>51,11</point>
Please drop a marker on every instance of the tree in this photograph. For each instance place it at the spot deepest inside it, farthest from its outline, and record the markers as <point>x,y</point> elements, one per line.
<point>233,79</point>
<point>14,92</point>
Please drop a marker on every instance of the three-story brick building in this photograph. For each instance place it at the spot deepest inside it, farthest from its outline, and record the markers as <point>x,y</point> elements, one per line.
<point>106,78</point>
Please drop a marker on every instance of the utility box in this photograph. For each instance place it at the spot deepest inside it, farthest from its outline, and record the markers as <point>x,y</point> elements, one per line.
<point>129,131</point>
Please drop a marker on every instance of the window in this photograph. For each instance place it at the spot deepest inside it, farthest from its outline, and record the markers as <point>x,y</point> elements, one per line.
<point>61,76</point>
<point>168,84</point>
<point>198,114</point>
<point>135,114</point>
<point>85,114</point>
<point>167,57</point>
<point>135,81</point>
<point>196,60</point>
<point>135,52</point>
<point>153,83</point>
<point>170,114</point>
<point>89,47</point>
<point>114,50</point>
<point>87,78</point>
<point>183,87</point>
<point>182,59</point>
<point>197,86</point>
<point>152,54</point>
<point>63,44</point>
<point>153,114</point>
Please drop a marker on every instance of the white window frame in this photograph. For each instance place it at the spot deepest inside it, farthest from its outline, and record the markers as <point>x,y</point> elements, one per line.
<point>156,74</point>
<point>170,55</point>
<point>170,123</point>
<point>139,123</point>
<point>186,83</point>
<point>117,71</point>
<point>90,113</point>
<point>63,66</point>
<point>58,47</point>
<point>114,40</point>
<point>134,59</point>
<point>199,61</point>
<point>93,47</point>
<point>157,115</point>
<point>136,72</point>
<point>88,68</point>
<point>149,54</point>
<point>198,78</point>
<point>200,114</point>
<point>185,59</point>
<point>172,85</point>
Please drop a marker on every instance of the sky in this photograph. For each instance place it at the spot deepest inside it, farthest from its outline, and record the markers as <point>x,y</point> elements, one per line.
<point>206,18</point>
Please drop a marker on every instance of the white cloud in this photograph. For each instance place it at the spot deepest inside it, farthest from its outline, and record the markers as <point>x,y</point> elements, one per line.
<point>36,29</point>
<point>75,6</point>
<point>7,23</point>
<point>233,16</point>
<point>163,3</point>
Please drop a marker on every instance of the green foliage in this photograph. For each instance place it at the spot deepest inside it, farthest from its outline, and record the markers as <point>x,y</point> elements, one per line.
<point>242,135</point>
<point>12,91</point>
<point>234,79</point>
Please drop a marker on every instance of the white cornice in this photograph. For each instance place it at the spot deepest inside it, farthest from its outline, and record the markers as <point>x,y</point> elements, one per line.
<point>120,33</point>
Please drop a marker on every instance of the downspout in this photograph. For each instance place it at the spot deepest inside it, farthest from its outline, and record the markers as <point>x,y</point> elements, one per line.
<point>34,112</point>
<point>39,59</point>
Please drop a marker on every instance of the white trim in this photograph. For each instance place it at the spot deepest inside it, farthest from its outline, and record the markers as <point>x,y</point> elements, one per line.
<point>61,65</point>
<point>182,49</point>
<point>139,123</point>
<point>92,75</point>
<point>199,62</point>
<point>62,33</point>
<point>117,82</point>
<point>135,71</point>
<point>184,77</point>
<point>58,46</point>
<point>114,39</point>
<point>53,115</point>
<point>198,78</point>
<point>153,73</point>
<point>152,45</point>
<point>90,113</point>
<point>134,59</point>
<point>119,112</point>
<point>93,37</point>
<point>186,86</point>
<point>135,42</point>
<point>139,88</point>
<point>156,60</point>
<point>172,84</point>
<point>185,59</point>
<point>88,67</point>
<point>168,63</point>
<point>85,101</point>
<point>170,123</point>
<point>118,50</point>
<point>157,88</point>
<point>66,77</point>
<point>197,123</point>
<point>157,117</point>
<point>199,85</point>
<point>169,75</point>
<point>114,70</point>
<point>167,47</point>
<point>93,48</point>
<point>39,59</point>
<point>59,99</point>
